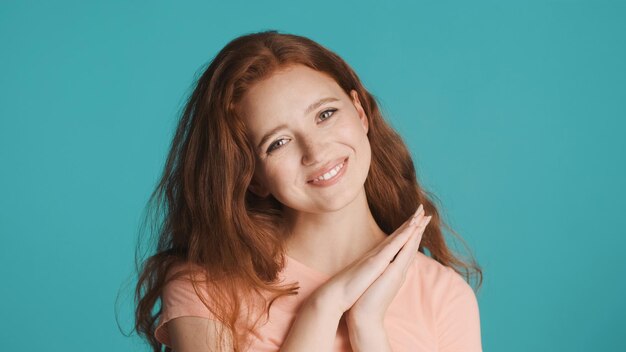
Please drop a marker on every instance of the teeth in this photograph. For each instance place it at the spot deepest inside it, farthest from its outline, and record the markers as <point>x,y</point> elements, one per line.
<point>330,173</point>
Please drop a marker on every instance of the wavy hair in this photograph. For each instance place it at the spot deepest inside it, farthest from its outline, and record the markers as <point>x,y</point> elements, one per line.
<point>206,217</point>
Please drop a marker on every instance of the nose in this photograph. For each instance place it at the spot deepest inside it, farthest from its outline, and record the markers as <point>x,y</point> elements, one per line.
<point>313,150</point>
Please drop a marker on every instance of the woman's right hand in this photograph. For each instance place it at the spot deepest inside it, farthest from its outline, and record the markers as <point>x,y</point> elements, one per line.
<point>343,289</point>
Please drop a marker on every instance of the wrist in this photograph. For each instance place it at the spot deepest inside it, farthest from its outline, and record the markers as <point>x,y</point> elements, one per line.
<point>313,329</point>
<point>366,335</point>
<point>363,321</point>
<point>323,303</point>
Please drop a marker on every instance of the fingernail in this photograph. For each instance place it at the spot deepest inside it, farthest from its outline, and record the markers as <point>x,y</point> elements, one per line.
<point>414,216</point>
<point>418,210</point>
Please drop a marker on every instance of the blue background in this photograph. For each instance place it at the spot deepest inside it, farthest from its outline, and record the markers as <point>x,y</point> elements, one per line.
<point>514,112</point>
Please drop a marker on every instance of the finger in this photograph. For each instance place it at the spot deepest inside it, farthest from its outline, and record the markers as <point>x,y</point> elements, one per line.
<point>391,249</point>
<point>407,253</point>
<point>410,221</point>
<point>364,271</point>
<point>376,261</point>
<point>414,237</point>
<point>419,213</point>
<point>395,274</point>
<point>353,280</point>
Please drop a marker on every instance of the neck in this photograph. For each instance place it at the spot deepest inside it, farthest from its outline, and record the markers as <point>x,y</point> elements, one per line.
<point>328,242</point>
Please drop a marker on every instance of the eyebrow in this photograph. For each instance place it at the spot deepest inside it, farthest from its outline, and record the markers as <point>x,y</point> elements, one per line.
<point>308,110</point>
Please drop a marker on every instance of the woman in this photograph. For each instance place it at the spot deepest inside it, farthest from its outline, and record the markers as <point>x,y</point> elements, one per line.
<point>291,218</point>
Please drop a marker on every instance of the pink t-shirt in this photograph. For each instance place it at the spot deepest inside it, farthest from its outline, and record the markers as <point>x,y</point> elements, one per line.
<point>434,310</point>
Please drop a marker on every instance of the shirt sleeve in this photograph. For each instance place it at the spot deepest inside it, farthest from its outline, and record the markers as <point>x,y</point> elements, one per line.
<point>458,319</point>
<point>179,299</point>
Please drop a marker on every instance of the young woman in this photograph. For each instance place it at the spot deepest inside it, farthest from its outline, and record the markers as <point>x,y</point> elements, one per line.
<point>293,219</point>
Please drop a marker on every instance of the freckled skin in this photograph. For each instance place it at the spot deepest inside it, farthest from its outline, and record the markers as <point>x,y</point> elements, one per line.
<point>309,142</point>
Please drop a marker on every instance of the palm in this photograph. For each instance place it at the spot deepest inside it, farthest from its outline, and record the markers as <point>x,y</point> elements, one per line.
<point>373,303</point>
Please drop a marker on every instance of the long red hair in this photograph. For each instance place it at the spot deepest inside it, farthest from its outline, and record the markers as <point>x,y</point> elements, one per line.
<point>205,216</point>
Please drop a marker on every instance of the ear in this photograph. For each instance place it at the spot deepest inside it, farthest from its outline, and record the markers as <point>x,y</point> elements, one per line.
<point>258,189</point>
<point>359,109</point>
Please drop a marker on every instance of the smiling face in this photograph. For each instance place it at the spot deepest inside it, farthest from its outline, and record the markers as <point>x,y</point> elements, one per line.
<point>303,125</point>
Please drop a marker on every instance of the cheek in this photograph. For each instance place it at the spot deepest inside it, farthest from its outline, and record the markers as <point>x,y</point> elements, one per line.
<point>352,131</point>
<point>280,173</point>
<point>357,137</point>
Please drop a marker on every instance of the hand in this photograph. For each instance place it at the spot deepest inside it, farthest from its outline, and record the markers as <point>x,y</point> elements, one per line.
<point>373,303</point>
<point>346,287</point>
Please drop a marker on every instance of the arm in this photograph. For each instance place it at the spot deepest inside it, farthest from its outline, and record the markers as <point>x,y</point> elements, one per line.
<point>366,336</point>
<point>365,319</point>
<point>185,323</point>
<point>314,328</point>
<point>191,334</point>
<point>371,282</point>
<point>378,275</point>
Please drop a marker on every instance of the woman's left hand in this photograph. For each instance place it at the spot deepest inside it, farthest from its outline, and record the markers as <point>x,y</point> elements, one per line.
<point>371,306</point>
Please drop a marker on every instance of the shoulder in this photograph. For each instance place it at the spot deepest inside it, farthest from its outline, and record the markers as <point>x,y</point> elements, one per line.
<point>454,304</point>
<point>179,298</point>
<point>180,281</point>
<point>184,271</point>
<point>436,275</point>
<point>442,284</point>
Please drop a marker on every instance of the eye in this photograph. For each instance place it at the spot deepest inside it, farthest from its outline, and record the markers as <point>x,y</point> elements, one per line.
<point>275,145</point>
<point>281,141</point>
<point>326,111</point>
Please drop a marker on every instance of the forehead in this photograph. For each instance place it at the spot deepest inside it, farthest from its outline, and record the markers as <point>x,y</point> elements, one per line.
<point>287,92</point>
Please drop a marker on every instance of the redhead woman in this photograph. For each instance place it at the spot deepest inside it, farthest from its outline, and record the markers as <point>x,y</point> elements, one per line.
<point>292,219</point>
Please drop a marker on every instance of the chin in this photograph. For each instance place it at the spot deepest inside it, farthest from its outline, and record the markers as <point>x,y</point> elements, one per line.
<point>337,202</point>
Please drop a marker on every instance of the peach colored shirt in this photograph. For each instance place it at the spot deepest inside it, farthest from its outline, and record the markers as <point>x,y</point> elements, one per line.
<point>434,310</point>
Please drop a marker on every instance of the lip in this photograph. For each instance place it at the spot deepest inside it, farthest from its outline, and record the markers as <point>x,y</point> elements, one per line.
<point>327,169</point>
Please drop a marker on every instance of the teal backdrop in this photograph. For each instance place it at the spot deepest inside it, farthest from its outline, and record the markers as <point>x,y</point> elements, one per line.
<point>514,111</point>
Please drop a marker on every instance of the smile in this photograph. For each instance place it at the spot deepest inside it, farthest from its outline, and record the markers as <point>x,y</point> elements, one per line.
<point>331,176</point>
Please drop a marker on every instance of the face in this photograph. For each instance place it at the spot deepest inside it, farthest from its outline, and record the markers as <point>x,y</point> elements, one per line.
<point>303,125</point>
